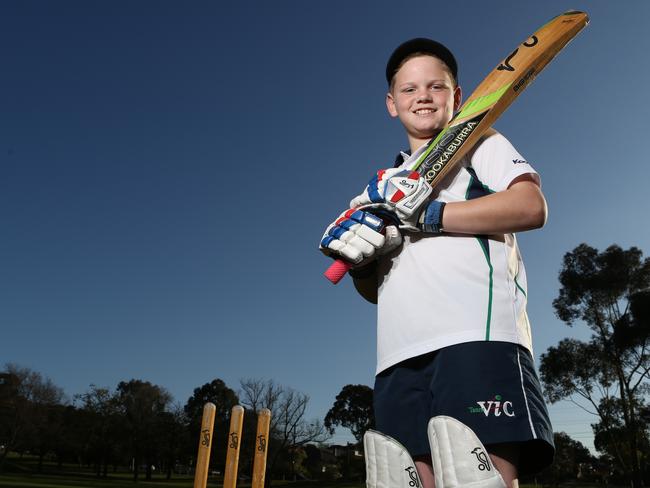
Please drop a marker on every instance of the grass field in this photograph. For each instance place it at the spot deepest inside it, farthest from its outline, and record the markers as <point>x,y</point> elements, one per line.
<point>71,480</point>
<point>23,473</point>
<point>55,481</point>
<point>52,481</point>
<point>13,480</point>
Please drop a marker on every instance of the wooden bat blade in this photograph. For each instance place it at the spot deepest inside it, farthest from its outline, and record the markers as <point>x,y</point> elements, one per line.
<point>488,101</point>
<point>495,94</point>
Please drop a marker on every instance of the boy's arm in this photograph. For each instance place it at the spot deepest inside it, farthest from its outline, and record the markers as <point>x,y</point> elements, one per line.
<point>365,281</point>
<point>367,287</point>
<point>520,207</point>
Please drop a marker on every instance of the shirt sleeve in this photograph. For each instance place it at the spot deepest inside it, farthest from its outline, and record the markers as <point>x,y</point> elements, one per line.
<point>497,163</point>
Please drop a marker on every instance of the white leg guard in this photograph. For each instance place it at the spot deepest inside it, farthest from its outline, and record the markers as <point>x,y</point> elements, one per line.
<point>388,463</point>
<point>459,458</point>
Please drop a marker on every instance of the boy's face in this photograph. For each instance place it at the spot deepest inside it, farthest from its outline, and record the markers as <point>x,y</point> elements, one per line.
<point>424,98</point>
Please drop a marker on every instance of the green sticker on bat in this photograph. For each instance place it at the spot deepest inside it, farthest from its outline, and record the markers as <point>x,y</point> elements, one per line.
<point>482,103</point>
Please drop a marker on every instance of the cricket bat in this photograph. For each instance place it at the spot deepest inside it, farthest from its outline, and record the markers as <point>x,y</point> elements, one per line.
<point>489,100</point>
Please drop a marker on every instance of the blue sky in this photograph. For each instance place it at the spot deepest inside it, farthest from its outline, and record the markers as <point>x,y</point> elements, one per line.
<point>168,169</point>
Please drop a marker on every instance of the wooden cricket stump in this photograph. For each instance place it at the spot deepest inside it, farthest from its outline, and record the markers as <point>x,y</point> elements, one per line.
<point>261,448</point>
<point>205,446</point>
<point>234,444</point>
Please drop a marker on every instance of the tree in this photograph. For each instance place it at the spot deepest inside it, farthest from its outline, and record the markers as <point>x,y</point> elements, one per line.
<point>610,293</point>
<point>100,409</point>
<point>29,413</point>
<point>352,409</point>
<point>289,427</point>
<point>224,398</point>
<point>573,461</point>
<point>175,439</point>
<point>216,392</point>
<point>71,444</point>
<point>143,406</point>
<point>11,420</point>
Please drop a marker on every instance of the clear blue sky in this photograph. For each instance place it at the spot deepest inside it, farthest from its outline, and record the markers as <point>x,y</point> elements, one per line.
<point>168,169</point>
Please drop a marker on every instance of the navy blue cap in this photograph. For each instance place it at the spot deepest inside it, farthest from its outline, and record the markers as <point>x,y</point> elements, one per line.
<point>420,44</point>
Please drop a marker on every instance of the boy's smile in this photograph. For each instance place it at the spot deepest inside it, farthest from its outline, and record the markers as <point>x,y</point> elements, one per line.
<point>424,97</point>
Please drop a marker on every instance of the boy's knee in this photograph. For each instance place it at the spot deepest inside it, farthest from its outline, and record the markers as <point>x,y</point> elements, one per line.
<point>505,458</point>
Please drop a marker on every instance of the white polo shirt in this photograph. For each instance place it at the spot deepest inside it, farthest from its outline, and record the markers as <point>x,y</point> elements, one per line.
<point>440,290</point>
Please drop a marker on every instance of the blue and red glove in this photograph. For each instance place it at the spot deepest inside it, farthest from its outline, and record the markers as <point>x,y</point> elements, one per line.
<point>358,236</point>
<point>405,194</point>
<point>401,191</point>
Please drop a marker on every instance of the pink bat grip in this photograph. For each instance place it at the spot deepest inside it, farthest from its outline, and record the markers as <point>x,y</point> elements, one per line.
<point>337,270</point>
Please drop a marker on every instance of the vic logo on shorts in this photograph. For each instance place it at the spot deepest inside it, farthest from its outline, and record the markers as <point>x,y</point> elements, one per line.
<point>496,407</point>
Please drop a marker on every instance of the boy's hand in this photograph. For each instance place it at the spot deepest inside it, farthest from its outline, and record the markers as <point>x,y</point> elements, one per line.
<point>402,191</point>
<point>357,237</point>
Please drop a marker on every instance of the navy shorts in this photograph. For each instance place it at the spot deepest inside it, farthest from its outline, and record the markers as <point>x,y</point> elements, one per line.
<point>491,387</point>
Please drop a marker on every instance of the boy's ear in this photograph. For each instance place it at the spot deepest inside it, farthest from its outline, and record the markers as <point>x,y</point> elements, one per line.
<point>390,104</point>
<point>458,98</point>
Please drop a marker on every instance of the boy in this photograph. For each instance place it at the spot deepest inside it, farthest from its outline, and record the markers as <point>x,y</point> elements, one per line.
<point>453,336</point>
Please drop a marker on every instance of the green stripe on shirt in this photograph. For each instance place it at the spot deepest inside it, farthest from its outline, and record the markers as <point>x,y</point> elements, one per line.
<point>520,288</point>
<point>489,310</point>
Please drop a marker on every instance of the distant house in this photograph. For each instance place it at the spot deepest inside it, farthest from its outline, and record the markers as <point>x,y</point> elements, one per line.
<point>351,450</point>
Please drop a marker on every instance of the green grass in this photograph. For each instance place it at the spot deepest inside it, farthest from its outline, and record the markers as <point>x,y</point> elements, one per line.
<point>14,480</point>
<point>23,474</point>
<point>80,480</point>
<point>49,481</point>
<point>73,480</point>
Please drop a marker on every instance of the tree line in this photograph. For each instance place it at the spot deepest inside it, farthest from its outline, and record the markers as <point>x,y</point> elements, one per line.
<point>138,427</point>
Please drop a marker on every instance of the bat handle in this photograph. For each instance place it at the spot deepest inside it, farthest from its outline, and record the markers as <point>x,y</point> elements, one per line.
<point>337,270</point>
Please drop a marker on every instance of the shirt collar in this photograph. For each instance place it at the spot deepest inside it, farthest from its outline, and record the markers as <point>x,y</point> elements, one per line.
<point>406,157</point>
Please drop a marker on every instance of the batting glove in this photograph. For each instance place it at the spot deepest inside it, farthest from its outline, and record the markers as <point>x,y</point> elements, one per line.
<point>359,237</point>
<point>403,192</point>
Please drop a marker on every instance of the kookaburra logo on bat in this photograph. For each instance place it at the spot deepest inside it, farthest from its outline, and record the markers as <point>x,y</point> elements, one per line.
<point>506,66</point>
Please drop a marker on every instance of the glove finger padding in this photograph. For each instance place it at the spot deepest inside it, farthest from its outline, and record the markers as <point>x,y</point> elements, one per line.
<point>355,235</point>
<point>393,239</point>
